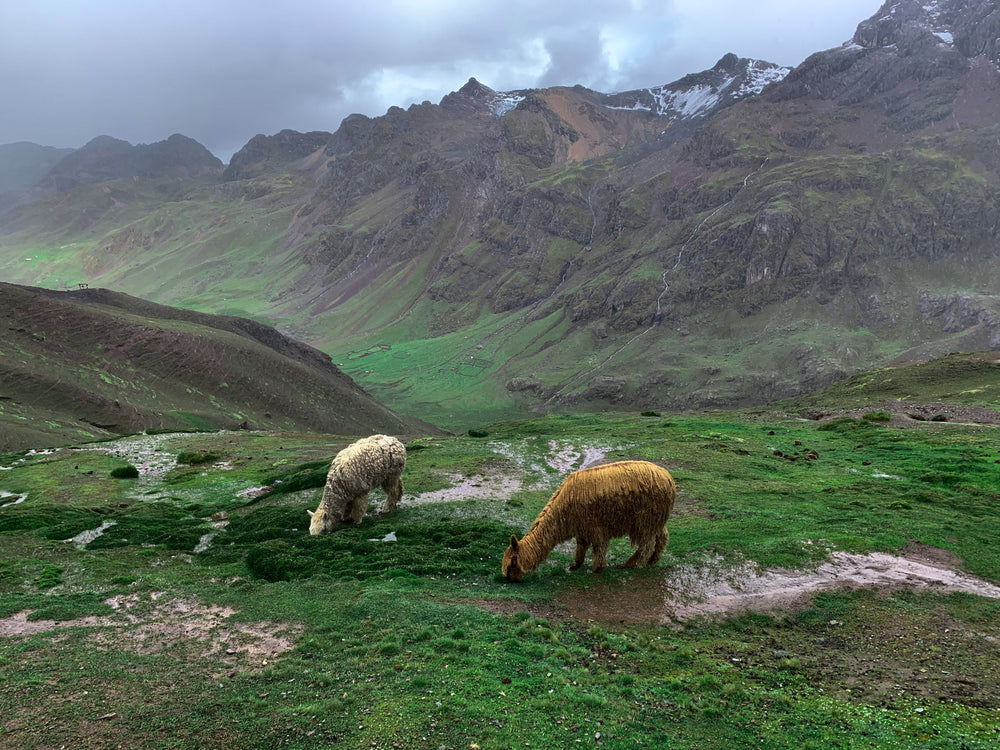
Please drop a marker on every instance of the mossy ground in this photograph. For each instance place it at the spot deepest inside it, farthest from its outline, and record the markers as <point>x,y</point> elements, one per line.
<point>419,642</point>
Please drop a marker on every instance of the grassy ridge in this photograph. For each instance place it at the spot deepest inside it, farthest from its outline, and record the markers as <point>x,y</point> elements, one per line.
<point>420,642</point>
<point>91,364</point>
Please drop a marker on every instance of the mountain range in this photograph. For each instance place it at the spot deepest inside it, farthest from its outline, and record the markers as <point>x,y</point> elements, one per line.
<point>743,234</point>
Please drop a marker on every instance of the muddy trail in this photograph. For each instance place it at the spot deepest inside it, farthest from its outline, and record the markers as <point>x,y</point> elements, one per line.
<point>715,588</point>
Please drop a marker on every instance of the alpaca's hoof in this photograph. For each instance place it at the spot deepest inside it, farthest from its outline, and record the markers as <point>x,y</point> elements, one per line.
<point>575,566</point>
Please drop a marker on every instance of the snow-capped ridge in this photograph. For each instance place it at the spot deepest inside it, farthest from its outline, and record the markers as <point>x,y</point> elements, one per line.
<point>697,94</point>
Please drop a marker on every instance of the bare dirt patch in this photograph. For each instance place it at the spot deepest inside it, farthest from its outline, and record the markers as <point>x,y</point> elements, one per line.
<point>148,625</point>
<point>564,456</point>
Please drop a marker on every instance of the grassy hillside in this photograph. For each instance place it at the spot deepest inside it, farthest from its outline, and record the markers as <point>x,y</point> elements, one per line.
<point>955,381</point>
<point>92,364</point>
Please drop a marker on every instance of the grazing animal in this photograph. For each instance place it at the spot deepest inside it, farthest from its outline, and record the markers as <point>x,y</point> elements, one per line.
<point>595,505</point>
<point>371,462</point>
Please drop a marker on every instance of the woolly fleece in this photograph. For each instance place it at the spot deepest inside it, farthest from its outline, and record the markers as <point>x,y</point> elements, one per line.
<point>596,505</point>
<point>371,462</point>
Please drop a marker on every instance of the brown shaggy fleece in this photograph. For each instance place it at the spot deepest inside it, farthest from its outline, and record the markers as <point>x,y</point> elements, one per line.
<point>371,462</point>
<point>596,505</point>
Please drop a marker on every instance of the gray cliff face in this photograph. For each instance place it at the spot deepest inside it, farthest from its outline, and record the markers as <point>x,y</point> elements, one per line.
<point>970,27</point>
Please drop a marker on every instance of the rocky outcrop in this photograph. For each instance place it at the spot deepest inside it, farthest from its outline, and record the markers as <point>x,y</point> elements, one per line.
<point>264,153</point>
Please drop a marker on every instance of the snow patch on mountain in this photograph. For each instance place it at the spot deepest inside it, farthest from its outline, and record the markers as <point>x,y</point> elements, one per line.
<point>760,75</point>
<point>505,101</point>
<point>702,97</point>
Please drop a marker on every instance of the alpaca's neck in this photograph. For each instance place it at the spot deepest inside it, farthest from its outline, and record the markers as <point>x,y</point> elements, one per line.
<point>547,531</point>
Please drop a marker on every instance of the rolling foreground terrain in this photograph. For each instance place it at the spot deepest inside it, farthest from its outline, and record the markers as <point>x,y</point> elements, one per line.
<point>743,234</point>
<point>831,581</point>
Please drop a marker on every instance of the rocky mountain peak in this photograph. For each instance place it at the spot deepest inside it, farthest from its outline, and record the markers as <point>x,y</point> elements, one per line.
<point>698,95</point>
<point>264,152</point>
<point>473,89</point>
<point>972,27</point>
<point>727,63</point>
<point>106,158</point>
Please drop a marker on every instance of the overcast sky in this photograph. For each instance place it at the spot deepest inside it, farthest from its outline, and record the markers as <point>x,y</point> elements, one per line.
<point>221,71</point>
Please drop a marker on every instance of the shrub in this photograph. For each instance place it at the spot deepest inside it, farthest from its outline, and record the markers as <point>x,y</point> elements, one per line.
<point>478,433</point>
<point>277,560</point>
<point>50,576</point>
<point>306,476</point>
<point>878,416</point>
<point>649,414</point>
<point>196,457</point>
<point>125,472</point>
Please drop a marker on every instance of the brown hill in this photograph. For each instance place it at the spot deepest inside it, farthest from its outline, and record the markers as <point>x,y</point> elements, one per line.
<point>92,363</point>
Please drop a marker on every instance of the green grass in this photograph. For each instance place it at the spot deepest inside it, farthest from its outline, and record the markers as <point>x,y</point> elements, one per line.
<point>420,641</point>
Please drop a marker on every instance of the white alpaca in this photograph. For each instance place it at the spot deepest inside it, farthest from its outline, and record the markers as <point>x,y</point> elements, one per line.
<point>371,462</point>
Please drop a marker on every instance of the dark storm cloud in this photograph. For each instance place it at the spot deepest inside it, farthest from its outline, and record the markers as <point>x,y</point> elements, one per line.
<point>221,72</point>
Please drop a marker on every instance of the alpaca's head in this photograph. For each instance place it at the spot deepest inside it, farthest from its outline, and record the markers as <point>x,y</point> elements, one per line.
<point>511,565</point>
<point>322,522</point>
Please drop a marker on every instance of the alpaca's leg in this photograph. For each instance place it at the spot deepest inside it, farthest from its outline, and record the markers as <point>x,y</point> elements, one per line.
<point>641,554</point>
<point>581,553</point>
<point>357,508</point>
<point>337,508</point>
<point>600,554</point>
<point>662,540</point>
<point>393,493</point>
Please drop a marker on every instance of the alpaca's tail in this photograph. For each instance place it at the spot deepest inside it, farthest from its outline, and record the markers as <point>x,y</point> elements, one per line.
<point>647,551</point>
<point>662,540</point>
<point>394,492</point>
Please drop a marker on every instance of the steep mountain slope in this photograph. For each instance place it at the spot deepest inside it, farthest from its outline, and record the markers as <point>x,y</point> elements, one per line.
<point>93,363</point>
<point>743,234</point>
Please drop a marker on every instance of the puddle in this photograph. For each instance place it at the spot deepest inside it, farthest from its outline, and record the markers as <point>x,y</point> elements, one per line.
<point>84,538</point>
<point>6,501</point>
<point>712,589</point>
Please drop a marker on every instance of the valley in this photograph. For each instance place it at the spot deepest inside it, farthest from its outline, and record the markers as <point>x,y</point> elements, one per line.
<point>561,250</point>
<point>781,285</point>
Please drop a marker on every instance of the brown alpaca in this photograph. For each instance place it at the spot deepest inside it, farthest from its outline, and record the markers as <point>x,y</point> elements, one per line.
<point>371,462</point>
<point>596,505</point>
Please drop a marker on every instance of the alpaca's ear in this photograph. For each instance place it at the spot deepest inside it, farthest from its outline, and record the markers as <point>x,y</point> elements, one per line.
<point>513,543</point>
<point>311,512</point>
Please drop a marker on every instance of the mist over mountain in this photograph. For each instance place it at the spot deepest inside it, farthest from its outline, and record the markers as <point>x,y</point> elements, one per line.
<point>742,234</point>
<point>105,158</point>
